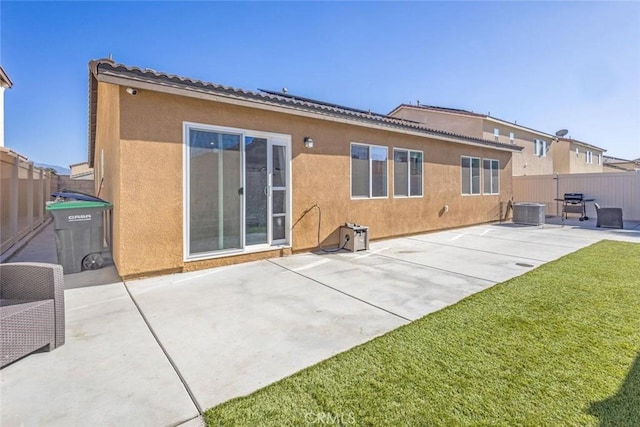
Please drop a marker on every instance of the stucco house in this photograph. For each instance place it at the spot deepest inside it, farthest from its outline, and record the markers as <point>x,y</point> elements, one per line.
<point>203,175</point>
<point>5,83</point>
<point>534,159</point>
<point>81,171</point>
<point>573,156</point>
<point>616,164</point>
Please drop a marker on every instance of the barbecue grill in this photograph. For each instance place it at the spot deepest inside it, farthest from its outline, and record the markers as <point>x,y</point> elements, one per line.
<point>574,203</point>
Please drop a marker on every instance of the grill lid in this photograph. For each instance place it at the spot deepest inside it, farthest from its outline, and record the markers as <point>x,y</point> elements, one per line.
<point>574,197</point>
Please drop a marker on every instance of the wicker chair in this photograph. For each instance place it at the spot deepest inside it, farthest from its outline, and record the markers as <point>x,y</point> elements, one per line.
<point>31,309</point>
<point>609,217</point>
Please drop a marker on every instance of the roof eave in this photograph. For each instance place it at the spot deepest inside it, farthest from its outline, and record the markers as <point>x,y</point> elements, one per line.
<point>151,80</point>
<point>4,79</point>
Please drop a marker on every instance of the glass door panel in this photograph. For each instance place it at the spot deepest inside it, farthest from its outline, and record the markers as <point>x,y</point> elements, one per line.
<point>215,193</point>
<point>256,191</point>
<point>278,193</point>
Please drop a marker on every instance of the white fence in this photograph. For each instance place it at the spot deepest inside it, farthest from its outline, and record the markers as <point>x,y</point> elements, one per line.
<point>620,190</point>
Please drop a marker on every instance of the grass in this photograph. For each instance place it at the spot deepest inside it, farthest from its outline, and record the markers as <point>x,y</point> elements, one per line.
<point>556,346</point>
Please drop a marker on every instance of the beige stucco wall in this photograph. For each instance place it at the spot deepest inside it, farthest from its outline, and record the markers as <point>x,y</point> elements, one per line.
<point>149,206</point>
<point>526,162</point>
<point>449,122</point>
<point>565,159</point>
<point>108,141</point>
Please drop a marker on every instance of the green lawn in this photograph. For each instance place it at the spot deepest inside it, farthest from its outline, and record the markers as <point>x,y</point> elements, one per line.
<point>557,346</point>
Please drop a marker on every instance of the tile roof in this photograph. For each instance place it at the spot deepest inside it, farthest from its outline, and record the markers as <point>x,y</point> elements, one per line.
<point>105,68</point>
<point>441,109</point>
<point>471,114</point>
<point>5,81</point>
<point>584,144</point>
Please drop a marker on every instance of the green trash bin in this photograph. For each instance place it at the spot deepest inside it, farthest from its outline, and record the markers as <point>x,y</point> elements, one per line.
<point>79,231</point>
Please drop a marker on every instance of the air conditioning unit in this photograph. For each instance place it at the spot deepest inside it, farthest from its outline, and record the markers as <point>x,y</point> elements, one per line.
<point>528,213</point>
<point>354,237</point>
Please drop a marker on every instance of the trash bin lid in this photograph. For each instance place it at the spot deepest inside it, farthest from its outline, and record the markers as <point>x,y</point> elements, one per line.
<point>77,204</point>
<point>77,195</point>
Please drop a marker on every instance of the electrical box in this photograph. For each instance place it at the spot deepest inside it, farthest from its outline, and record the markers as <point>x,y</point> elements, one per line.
<point>354,237</point>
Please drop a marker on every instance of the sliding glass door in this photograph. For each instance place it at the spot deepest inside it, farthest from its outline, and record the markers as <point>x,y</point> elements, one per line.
<point>238,190</point>
<point>215,202</point>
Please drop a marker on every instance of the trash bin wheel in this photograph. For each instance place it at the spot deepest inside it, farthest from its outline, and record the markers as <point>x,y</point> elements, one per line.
<point>92,262</point>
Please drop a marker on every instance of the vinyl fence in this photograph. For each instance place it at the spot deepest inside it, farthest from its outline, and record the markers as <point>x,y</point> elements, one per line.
<point>620,190</point>
<point>24,189</point>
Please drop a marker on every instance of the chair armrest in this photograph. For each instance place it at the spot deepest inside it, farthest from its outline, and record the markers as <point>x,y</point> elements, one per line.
<point>36,281</point>
<point>31,281</point>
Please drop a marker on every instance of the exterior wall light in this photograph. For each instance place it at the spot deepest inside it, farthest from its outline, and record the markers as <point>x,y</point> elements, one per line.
<point>308,142</point>
<point>132,91</point>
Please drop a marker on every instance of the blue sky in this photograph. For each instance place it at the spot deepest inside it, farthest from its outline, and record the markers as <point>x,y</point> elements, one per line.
<point>546,65</point>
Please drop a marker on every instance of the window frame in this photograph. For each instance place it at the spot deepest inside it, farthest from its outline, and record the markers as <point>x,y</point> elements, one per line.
<point>370,196</point>
<point>496,134</point>
<point>408,151</point>
<point>491,169</point>
<point>540,147</point>
<point>471,193</point>
<point>588,157</point>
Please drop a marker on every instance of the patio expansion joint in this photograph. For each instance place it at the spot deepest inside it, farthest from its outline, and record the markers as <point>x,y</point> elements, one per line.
<point>436,268</point>
<point>166,354</point>
<point>342,292</point>
<point>476,250</point>
<point>487,236</point>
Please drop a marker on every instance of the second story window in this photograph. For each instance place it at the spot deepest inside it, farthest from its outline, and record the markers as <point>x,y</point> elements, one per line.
<point>588,157</point>
<point>540,148</point>
<point>496,134</point>
<point>512,137</point>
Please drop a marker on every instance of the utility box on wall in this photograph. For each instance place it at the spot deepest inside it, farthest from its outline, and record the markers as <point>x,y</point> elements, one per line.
<point>354,237</point>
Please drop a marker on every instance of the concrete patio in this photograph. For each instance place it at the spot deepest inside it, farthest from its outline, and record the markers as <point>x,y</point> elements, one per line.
<point>159,351</point>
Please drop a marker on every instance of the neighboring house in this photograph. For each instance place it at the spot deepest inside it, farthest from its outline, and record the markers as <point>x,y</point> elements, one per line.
<point>573,156</point>
<point>615,164</point>
<point>534,159</point>
<point>81,171</point>
<point>203,175</point>
<point>5,83</point>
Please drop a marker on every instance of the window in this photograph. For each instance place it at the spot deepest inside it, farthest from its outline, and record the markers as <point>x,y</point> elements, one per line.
<point>577,152</point>
<point>407,173</point>
<point>470,175</point>
<point>512,137</point>
<point>600,159</point>
<point>588,157</point>
<point>496,134</point>
<point>541,148</point>
<point>491,177</point>
<point>368,171</point>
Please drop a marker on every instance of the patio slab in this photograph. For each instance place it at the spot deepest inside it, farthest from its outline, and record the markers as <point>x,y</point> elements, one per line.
<point>110,371</point>
<point>233,330</point>
<point>158,351</point>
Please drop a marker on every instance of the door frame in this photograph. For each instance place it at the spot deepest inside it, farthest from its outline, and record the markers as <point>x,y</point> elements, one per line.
<point>272,139</point>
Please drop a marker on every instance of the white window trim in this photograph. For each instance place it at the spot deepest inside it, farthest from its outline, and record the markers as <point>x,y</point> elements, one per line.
<point>588,157</point>
<point>408,151</point>
<point>512,137</point>
<point>540,147</point>
<point>496,134</point>
<point>491,176</point>
<point>479,193</point>
<point>370,172</point>
<point>186,257</point>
